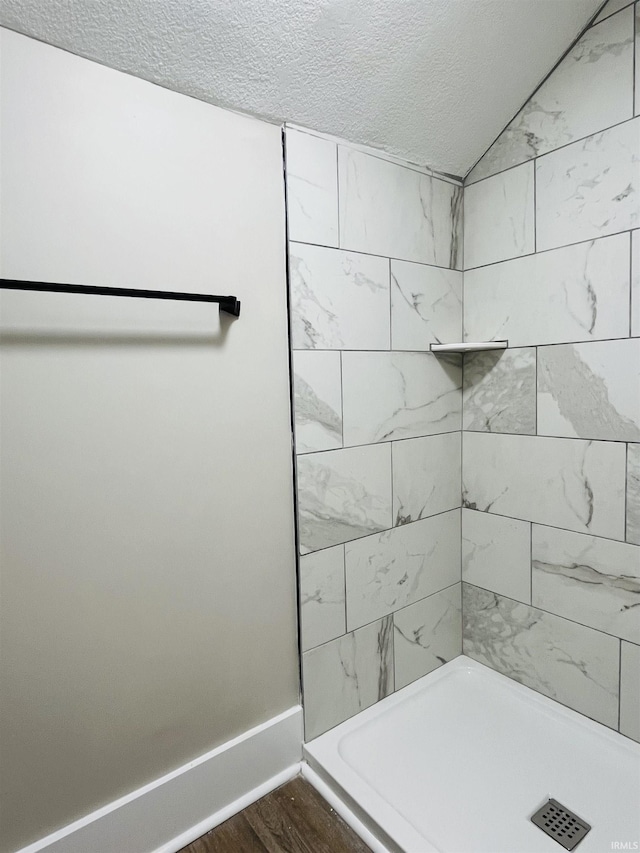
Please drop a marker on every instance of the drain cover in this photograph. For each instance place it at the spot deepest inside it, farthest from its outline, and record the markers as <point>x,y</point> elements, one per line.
<point>561,824</point>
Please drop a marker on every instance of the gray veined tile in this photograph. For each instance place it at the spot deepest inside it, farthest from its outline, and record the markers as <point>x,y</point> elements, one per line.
<point>426,476</point>
<point>590,580</point>
<point>590,390</point>
<point>322,604</point>
<point>568,662</point>
<point>590,188</point>
<point>427,634</point>
<point>343,494</point>
<point>577,293</point>
<point>499,217</point>
<point>591,89</point>
<point>569,483</point>
<point>635,282</point>
<point>630,691</point>
<point>347,675</point>
<point>633,493</point>
<point>496,554</point>
<point>499,391</point>
<point>339,300</point>
<point>396,211</point>
<point>317,387</point>
<point>390,570</point>
<point>312,188</point>
<point>393,395</point>
<point>426,305</point>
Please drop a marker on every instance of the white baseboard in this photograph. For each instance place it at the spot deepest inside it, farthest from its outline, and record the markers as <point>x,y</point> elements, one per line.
<point>167,814</point>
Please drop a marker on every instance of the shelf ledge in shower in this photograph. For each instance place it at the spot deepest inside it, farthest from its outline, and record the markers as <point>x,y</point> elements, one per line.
<point>470,347</point>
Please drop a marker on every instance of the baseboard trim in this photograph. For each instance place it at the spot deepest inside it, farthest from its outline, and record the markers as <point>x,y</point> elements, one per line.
<point>172,811</point>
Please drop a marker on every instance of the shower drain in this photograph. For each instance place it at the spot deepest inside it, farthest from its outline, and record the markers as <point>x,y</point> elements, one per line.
<point>561,824</point>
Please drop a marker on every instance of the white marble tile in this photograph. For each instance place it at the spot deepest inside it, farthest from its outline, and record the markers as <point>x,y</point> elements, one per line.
<point>590,188</point>
<point>590,90</point>
<point>396,211</point>
<point>322,605</point>
<point>590,390</point>
<point>390,570</point>
<point>593,581</point>
<point>426,476</point>
<point>499,391</point>
<point>569,483</point>
<point>577,293</point>
<point>339,300</point>
<point>392,395</point>
<point>568,662</point>
<point>317,386</point>
<point>630,691</point>
<point>343,494</point>
<point>611,8</point>
<point>496,554</point>
<point>635,282</point>
<point>426,306</point>
<point>499,217</point>
<point>427,634</point>
<point>633,493</point>
<point>347,675</point>
<point>312,188</point>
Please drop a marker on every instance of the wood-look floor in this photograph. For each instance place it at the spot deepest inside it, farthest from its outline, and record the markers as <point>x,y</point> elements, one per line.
<point>291,819</point>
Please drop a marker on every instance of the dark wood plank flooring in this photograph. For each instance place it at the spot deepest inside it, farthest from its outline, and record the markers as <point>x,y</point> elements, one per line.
<point>291,819</point>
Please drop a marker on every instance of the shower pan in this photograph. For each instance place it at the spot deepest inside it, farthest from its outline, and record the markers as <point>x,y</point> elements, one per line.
<point>462,759</point>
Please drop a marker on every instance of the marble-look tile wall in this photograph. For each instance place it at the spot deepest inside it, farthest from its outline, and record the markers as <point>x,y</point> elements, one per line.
<point>551,441</point>
<point>375,257</point>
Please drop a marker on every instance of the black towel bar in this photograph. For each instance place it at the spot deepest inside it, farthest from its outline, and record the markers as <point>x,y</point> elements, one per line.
<point>227,303</point>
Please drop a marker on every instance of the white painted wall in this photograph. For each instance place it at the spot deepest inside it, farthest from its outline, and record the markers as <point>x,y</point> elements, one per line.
<point>147,533</point>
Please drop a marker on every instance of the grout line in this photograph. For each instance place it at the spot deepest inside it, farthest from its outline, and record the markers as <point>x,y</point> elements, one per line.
<point>511,346</point>
<point>611,14</point>
<point>387,530</point>
<point>292,421</point>
<point>626,492</point>
<point>536,390</point>
<point>548,612</point>
<point>387,615</point>
<point>550,249</point>
<point>619,681</point>
<point>344,577</point>
<point>378,443</point>
<point>632,271</point>
<point>535,205</point>
<point>376,254</point>
<point>623,441</point>
<point>531,563</point>
<point>553,527</point>
<point>470,269</point>
<point>634,92</point>
<point>545,153</point>
<point>391,280</point>
<point>341,408</point>
<point>338,194</point>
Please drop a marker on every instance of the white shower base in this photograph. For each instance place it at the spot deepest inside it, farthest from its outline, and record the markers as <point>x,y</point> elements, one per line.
<point>458,762</point>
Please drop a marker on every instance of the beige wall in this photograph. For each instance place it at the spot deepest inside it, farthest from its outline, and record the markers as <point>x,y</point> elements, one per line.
<point>147,570</point>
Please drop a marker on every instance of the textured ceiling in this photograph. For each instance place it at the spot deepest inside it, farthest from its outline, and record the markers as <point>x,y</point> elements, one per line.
<point>432,81</point>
